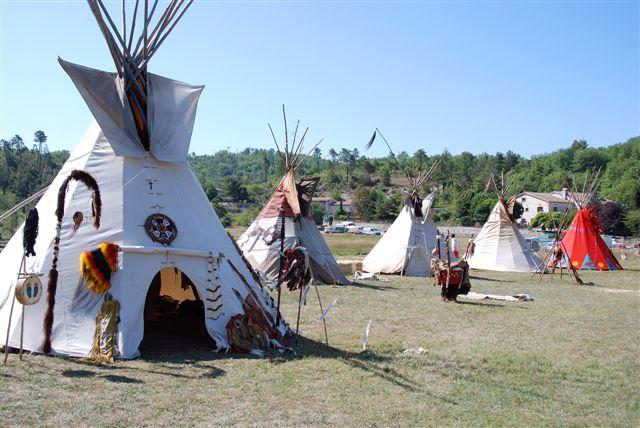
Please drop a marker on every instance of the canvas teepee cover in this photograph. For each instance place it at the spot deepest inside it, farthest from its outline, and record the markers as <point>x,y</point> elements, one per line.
<point>260,243</point>
<point>406,246</point>
<point>135,183</point>
<point>499,246</point>
<point>583,244</point>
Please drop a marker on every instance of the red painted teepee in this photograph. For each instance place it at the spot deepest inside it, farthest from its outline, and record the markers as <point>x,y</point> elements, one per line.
<point>583,244</point>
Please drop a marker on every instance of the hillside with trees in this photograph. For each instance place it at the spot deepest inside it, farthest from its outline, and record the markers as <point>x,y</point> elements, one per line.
<point>246,179</point>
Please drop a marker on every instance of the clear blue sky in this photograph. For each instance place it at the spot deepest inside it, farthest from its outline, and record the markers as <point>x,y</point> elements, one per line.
<point>478,76</point>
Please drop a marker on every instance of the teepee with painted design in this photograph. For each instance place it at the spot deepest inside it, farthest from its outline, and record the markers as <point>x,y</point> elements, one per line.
<point>288,209</point>
<point>582,242</point>
<point>154,210</point>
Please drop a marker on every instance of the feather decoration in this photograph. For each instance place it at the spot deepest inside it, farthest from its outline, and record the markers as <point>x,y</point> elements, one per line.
<point>303,301</point>
<point>370,143</point>
<point>326,311</point>
<point>365,338</point>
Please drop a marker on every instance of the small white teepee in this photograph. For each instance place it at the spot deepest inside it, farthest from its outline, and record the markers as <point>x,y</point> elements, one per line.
<point>406,246</point>
<point>500,246</point>
<point>135,183</point>
<point>289,203</point>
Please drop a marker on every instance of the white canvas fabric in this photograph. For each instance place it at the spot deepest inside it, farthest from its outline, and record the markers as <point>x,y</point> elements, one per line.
<point>499,246</point>
<point>171,112</point>
<point>132,188</point>
<point>407,245</point>
<point>301,231</point>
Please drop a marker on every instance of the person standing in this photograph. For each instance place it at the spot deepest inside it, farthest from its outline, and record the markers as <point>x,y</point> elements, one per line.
<point>455,246</point>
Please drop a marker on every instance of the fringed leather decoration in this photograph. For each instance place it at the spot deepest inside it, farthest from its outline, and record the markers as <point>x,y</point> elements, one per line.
<point>52,284</point>
<point>105,339</point>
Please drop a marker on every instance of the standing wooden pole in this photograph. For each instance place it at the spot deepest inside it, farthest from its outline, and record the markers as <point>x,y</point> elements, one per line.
<point>21,332</point>
<point>446,288</point>
<point>279,285</point>
<point>13,302</point>
<point>324,321</point>
<point>298,318</point>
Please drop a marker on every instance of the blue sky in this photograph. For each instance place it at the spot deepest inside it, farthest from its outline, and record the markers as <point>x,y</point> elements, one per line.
<point>477,76</point>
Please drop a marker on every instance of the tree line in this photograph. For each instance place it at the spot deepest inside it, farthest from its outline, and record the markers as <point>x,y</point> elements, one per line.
<point>374,185</point>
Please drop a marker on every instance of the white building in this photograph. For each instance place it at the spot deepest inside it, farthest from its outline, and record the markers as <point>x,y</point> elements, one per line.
<point>330,205</point>
<point>536,202</point>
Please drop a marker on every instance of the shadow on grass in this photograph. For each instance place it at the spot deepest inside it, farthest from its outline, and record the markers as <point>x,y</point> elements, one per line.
<point>478,278</point>
<point>110,377</point>
<point>374,364</point>
<point>373,286</point>
<point>481,304</point>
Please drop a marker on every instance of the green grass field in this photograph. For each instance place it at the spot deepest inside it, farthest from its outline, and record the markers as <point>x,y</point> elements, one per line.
<point>569,358</point>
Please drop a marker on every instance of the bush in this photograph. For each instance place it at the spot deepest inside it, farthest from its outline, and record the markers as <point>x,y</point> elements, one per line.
<point>552,220</point>
<point>632,222</point>
<point>222,212</point>
<point>246,218</point>
<point>317,212</point>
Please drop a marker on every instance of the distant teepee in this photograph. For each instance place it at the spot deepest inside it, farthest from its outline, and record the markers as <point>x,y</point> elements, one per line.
<point>499,246</point>
<point>406,246</point>
<point>288,208</point>
<point>583,246</point>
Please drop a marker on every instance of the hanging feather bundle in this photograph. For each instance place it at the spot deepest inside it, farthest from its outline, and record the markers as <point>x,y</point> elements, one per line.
<point>30,233</point>
<point>98,265</point>
<point>297,268</point>
<point>370,143</point>
<point>52,285</point>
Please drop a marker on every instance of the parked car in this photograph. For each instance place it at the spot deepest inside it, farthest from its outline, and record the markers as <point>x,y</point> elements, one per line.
<point>371,231</point>
<point>355,230</point>
<point>346,223</point>
<point>334,229</point>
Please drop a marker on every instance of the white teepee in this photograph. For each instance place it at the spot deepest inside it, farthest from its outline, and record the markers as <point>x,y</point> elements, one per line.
<point>500,246</point>
<point>289,203</point>
<point>406,246</point>
<point>134,183</point>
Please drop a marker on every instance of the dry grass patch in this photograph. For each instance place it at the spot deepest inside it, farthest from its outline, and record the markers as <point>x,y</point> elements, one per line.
<point>568,358</point>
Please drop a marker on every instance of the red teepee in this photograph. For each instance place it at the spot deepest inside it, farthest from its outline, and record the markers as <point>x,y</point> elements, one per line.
<point>583,244</point>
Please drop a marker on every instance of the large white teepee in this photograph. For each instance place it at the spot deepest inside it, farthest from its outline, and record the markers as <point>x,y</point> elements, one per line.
<point>134,183</point>
<point>406,246</point>
<point>499,246</point>
<point>289,203</point>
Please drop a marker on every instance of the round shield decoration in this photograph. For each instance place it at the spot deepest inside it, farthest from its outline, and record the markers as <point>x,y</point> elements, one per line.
<point>161,228</point>
<point>29,290</point>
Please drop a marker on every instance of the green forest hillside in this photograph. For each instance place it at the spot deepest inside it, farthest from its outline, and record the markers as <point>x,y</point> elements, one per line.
<point>373,184</point>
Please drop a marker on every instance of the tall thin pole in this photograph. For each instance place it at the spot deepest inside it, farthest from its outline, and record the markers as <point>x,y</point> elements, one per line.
<point>298,318</point>
<point>324,321</point>
<point>13,302</point>
<point>281,265</point>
